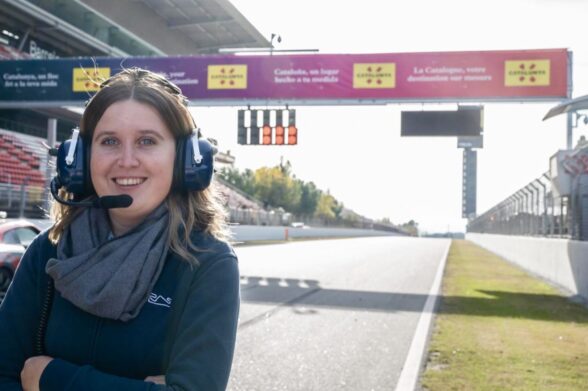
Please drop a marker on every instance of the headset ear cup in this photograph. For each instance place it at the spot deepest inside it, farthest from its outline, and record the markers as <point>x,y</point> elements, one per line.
<point>73,176</point>
<point>197,176</point>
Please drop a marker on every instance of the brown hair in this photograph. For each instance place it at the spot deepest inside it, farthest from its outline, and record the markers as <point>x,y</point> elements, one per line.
<point>187,210</point>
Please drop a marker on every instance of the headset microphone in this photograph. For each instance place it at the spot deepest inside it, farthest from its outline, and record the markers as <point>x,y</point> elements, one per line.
<point>112,202</point>
<point>105,202</point>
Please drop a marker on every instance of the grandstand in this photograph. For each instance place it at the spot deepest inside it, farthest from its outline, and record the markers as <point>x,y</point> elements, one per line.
<point>19,163</point>
<point>23,163</point>
<point>244,209</point>
<point>46,29</point>
<point>10,53</point>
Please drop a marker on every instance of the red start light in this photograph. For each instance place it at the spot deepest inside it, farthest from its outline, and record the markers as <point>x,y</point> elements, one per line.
<point>267,135</point>
<point>279,135</point>
<point>292,135</point>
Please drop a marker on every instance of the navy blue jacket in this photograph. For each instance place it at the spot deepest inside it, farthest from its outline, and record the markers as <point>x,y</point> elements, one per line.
<point>186,330</point>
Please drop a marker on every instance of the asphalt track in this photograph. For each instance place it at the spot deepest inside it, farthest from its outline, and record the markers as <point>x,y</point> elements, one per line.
<point>333,315</point>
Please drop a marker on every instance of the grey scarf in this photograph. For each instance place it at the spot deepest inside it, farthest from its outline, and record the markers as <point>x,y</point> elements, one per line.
<point>109,277</point>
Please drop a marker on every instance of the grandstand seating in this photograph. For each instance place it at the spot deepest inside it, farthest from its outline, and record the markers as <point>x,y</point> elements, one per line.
<point>10,53</point>
<point>20,160</point>
<point>235,199</point>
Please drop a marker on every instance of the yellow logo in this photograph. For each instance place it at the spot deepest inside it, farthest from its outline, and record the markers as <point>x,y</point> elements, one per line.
<point>527,73</point>
<point>227,77</point>
<point>379,75</point>
<point>89,79</point>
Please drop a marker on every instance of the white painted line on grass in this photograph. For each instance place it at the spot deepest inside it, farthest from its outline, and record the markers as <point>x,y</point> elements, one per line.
<point>410,371</point>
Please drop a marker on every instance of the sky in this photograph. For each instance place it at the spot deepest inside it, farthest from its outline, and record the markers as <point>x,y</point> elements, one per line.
<point>356,152</point>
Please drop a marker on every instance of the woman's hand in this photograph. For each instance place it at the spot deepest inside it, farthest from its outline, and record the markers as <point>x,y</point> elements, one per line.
<point>32,371</point>
<point>34,367</point>
<point>156,379</point>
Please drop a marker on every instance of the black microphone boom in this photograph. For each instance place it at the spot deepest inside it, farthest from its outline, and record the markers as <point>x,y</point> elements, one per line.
<point>105,202</point>
<point>111,202</point>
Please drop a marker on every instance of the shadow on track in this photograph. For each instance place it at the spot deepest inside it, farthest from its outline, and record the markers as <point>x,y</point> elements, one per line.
<point>308,293</point>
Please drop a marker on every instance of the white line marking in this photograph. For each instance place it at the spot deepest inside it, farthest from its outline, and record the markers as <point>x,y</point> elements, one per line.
<point>412,366</point>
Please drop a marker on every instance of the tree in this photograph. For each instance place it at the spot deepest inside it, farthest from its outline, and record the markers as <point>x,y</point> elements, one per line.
<point>278,187</point>
<point>286,168</point>
<point>337,208</point>
<point>412,228</point>
<point>309,199</point>
<point>242,181</point>
<point>324,209</point>
<point>274,188</point>
<point>248,182</point>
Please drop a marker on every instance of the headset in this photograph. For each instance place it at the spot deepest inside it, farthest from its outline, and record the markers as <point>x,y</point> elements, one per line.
<point>193,170</point>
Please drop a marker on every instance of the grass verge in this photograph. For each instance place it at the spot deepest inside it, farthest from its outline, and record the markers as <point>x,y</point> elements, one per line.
<point>498,328</point>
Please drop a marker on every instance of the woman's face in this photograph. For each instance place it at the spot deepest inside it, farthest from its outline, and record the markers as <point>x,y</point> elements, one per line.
<point>133,153</point>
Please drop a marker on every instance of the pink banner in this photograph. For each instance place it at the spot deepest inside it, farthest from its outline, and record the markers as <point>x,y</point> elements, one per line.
<point>509,75</point>
<point>310,78</point>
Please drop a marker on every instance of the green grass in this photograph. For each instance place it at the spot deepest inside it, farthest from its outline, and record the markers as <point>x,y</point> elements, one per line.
<point>500,329</point>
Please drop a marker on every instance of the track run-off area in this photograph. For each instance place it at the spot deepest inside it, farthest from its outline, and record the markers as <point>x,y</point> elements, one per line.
<point>341,314</point>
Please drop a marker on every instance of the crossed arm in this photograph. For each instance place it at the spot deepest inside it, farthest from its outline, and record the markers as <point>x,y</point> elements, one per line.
<point>30,375</point>
<point>200,357</point>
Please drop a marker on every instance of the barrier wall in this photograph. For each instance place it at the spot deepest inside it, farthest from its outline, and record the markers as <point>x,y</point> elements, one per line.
<point>244,233</point>
<point>563,262</point>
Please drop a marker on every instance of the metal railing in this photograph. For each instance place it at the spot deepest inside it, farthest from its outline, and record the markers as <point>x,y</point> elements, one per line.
<point>23,200</point>
<point>540,209</point>
<point>19,127</point>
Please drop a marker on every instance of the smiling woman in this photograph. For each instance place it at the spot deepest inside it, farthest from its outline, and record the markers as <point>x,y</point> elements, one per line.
<point>133,153</point>
<point>147,296</point>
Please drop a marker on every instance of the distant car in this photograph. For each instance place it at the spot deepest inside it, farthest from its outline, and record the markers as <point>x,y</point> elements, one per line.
<point>15,237</point>
<point>299,225</point>
<point>10,255</point>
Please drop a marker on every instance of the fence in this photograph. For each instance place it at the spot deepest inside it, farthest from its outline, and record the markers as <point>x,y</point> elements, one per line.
<point>245,209</point>
<point>259,217</point>
<point>554,204</point>
<point>23,200</point>
<point>21,128</point>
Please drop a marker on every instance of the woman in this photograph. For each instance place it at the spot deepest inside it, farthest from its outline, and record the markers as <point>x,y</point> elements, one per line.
<point>147,296</point>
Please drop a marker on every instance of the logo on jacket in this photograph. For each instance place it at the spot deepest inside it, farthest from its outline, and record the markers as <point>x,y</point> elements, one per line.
<point>156,299</point>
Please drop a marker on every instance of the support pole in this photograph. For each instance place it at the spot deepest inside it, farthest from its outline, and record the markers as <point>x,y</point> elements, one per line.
<point>51,139</point>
